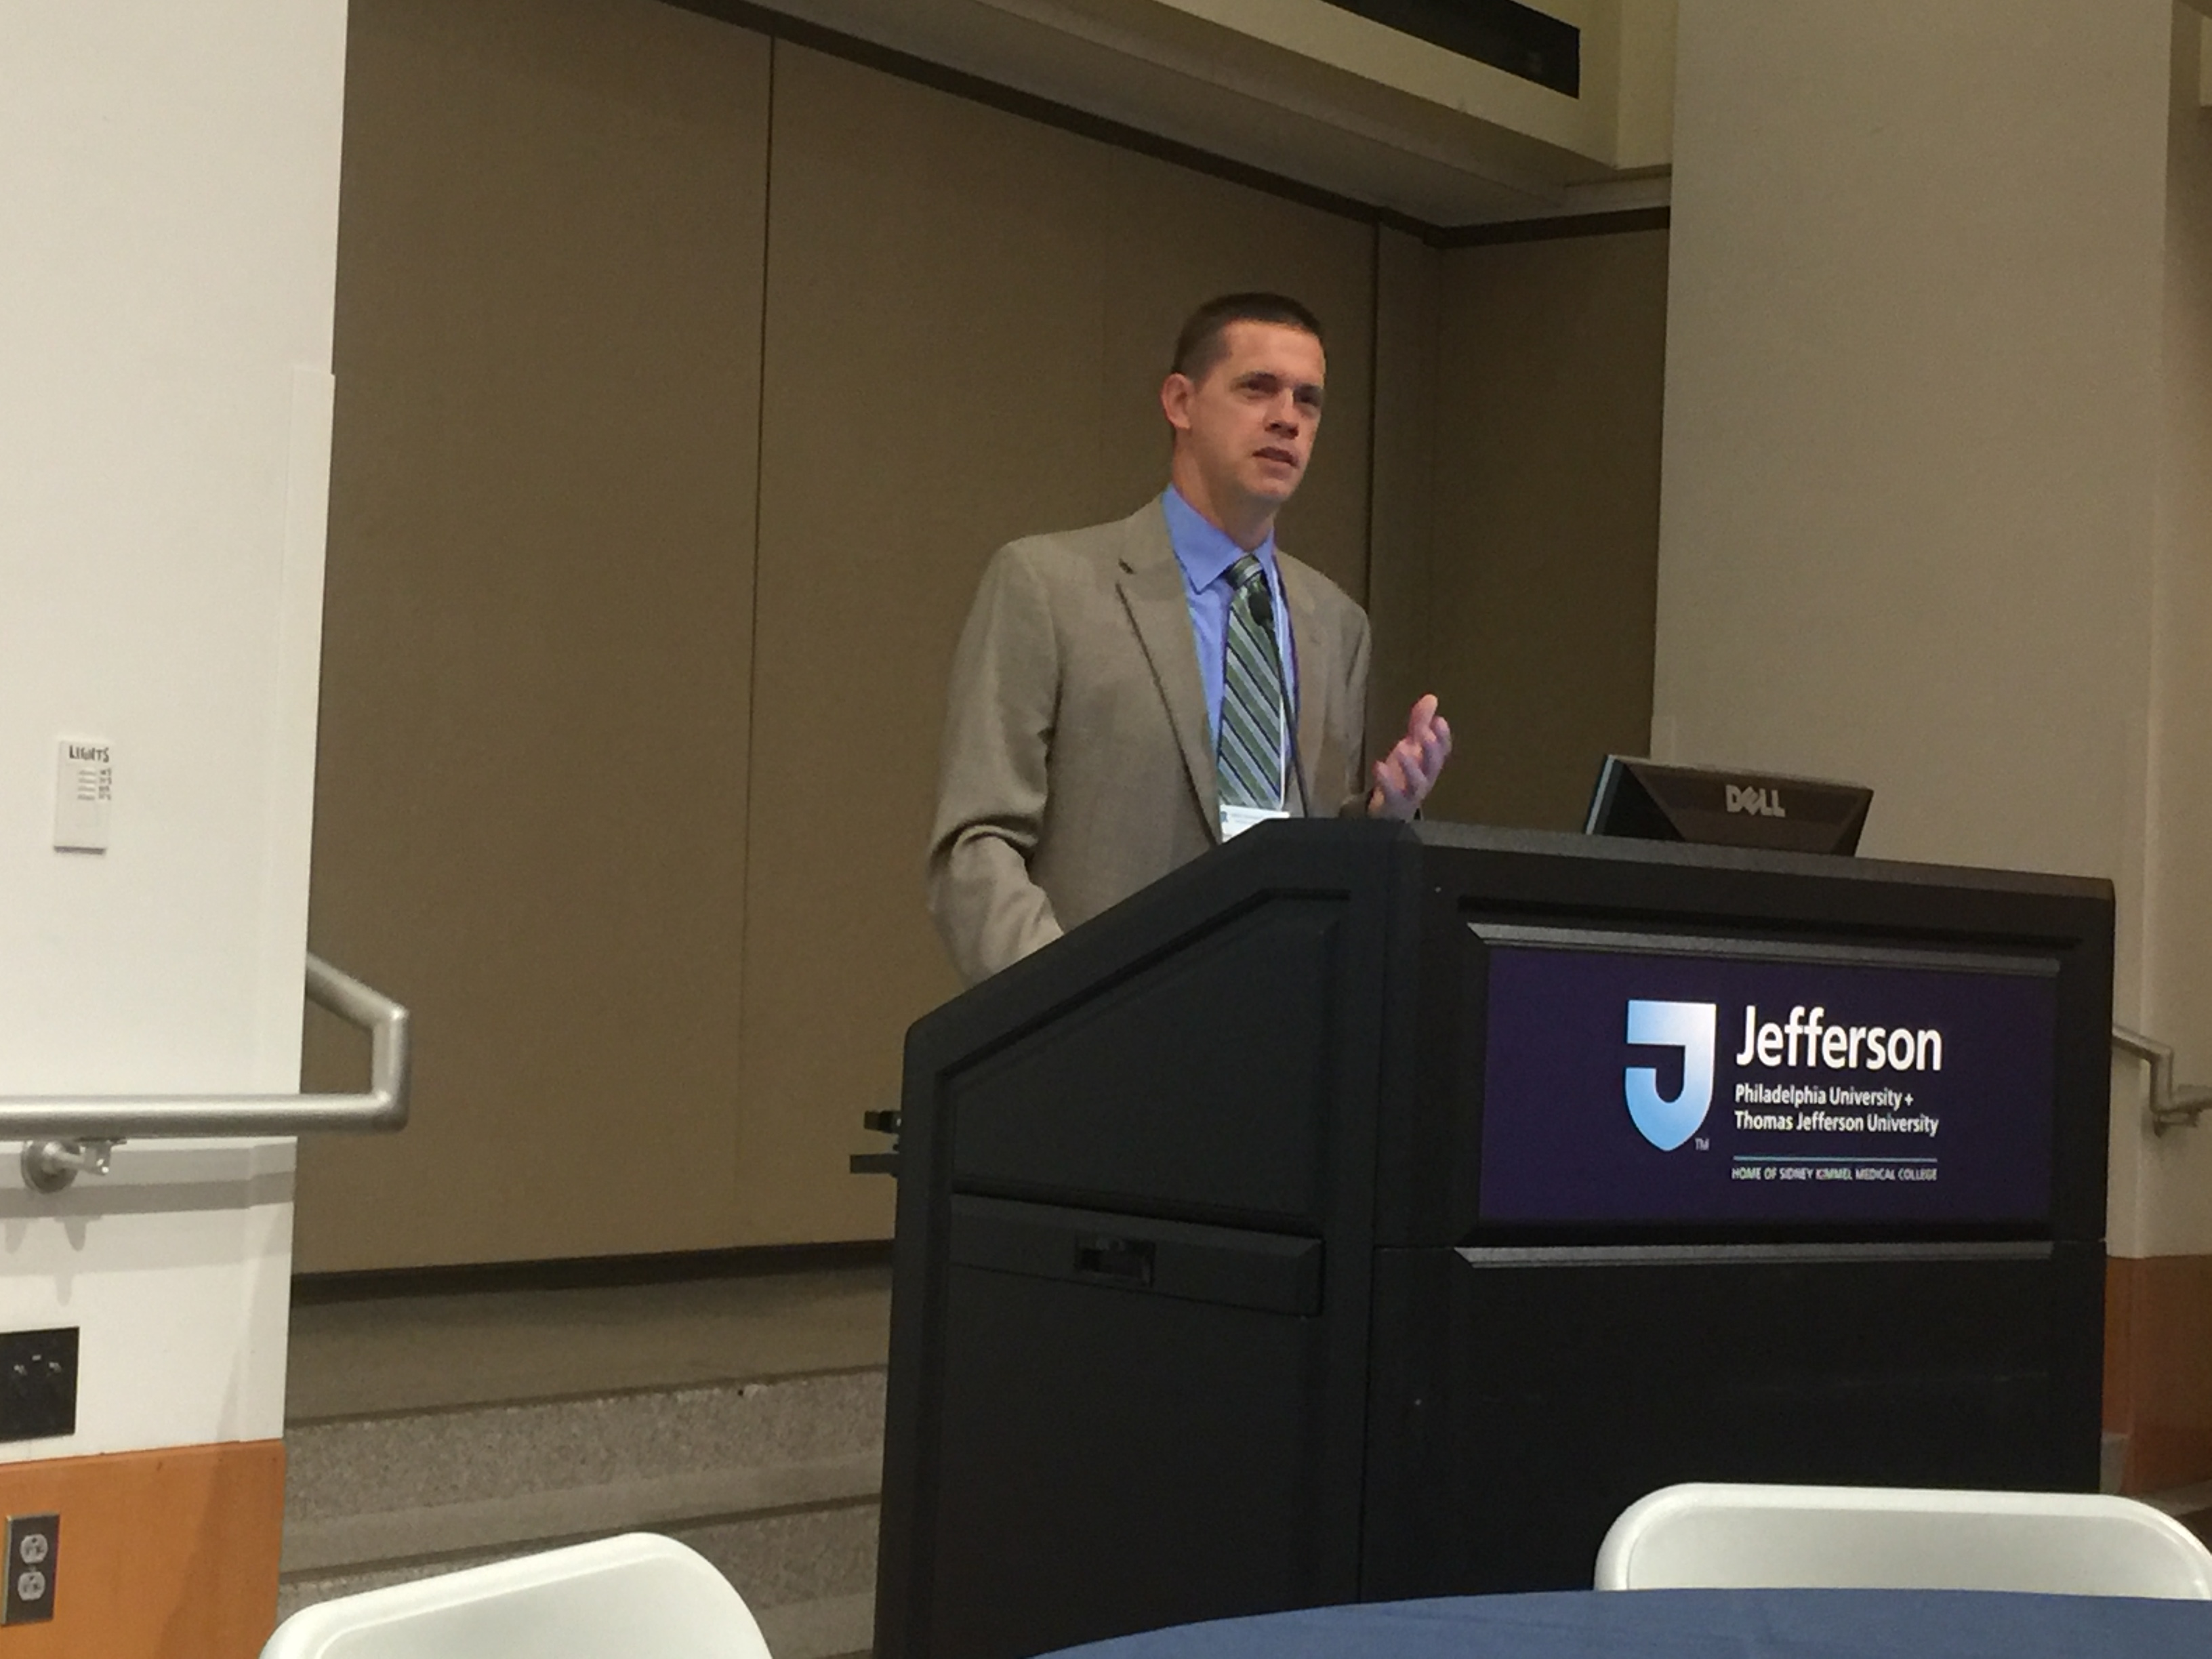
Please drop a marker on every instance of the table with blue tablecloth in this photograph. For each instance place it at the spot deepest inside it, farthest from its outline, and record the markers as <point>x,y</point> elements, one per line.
<point>1701,1623</point>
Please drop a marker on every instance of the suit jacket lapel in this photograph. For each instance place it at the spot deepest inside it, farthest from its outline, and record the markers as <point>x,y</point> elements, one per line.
<point>1305,639</point>
<point>1159,609</point>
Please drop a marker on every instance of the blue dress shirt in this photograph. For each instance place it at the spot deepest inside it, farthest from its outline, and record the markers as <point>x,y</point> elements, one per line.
<point>1205,552</point>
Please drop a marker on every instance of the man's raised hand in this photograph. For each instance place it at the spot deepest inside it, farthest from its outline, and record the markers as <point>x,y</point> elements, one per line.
<point>1404,777</point>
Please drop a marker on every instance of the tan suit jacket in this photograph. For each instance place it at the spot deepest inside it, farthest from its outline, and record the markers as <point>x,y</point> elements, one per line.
<point>1076,765</point>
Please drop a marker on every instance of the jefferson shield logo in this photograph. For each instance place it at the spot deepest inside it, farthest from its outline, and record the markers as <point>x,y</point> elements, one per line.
<point>1688,1026</point>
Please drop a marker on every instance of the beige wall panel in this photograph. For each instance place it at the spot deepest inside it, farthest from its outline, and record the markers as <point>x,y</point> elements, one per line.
<point>531,807</point>
<point>1550,365</point>
<point>969,315</point>
<point>1409,300</point>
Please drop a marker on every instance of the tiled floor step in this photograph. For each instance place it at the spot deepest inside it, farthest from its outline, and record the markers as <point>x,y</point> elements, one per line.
<point>743,1416</point>
<point>415,1484</point>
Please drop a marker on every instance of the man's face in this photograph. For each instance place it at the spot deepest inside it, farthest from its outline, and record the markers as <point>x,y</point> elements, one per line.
<point>1249,425</point>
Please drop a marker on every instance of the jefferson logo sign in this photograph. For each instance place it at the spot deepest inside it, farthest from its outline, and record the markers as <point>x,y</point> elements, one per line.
<point>1689,1026</point>
<point>1639,1077</point>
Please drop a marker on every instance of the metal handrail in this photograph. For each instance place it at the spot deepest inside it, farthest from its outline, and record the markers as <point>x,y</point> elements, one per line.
<point>69,1134</point>
<point>2171,1105</point>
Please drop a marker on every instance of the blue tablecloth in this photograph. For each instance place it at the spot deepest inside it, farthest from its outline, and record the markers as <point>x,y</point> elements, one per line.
<point>1701,1625</point>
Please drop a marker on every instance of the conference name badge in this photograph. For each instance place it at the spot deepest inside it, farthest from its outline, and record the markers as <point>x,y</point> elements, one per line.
<point>1236,820</point>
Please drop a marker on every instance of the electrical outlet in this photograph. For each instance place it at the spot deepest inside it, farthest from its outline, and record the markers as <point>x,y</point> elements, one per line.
<point>34,1554</point>
<point>37,1384</point>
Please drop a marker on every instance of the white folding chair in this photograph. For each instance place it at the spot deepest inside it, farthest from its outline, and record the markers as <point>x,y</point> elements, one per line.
<point>620,1598</point>
<point>1724,1537</point>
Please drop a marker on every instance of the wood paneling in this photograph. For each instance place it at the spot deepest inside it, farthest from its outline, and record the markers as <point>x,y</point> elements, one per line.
<point>1544,547</point>
<point>165,1555</point>
<point>2158,1368</point>
<point>585,767</point>
<point>1408,297</point>
<point>530,817</point>
<point>968,316</point>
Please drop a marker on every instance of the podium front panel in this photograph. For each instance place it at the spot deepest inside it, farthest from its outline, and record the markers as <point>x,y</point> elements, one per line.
<point>1526,1397</point>
<point>1365,1210</point>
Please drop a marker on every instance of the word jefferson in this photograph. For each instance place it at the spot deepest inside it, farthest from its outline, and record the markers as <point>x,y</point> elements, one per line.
<point>1839,1048</point>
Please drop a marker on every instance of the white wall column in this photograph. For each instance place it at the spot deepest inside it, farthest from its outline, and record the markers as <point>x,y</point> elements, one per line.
<point>170,176</point>
<point>1933,511</point>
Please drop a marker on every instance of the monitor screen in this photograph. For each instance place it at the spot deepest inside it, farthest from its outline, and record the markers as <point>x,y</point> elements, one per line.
<point>1647,1078</point>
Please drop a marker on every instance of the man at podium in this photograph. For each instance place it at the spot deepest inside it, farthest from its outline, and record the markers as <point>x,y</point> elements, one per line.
<point>1127,695</point>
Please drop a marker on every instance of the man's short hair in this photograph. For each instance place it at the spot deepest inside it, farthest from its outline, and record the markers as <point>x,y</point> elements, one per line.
<point>1203,341</point>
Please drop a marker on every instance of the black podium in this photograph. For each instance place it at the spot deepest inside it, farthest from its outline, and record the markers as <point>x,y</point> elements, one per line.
<point>1368,1211</point>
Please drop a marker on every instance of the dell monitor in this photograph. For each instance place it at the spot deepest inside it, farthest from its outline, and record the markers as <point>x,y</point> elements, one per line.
<point>1648,801</point>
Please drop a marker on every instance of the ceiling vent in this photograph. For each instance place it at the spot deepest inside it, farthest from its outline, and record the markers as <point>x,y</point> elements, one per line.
<point>1519,39</point>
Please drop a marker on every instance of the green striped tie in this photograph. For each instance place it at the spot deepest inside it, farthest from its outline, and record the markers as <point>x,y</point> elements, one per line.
<point>1249,754</point>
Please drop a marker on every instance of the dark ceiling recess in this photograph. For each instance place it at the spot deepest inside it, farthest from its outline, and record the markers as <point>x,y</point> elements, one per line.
<point>1518,38</point>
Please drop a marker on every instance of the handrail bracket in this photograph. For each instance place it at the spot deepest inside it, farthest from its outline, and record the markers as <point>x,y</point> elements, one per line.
<point>49,1166</point>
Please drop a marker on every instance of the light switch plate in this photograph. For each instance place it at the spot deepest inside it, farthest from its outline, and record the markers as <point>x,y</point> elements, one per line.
<point>35,1549</point>
<point>84,791</point>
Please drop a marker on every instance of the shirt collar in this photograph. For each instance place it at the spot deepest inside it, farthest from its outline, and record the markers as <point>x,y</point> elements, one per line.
<point>1202,548</point>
